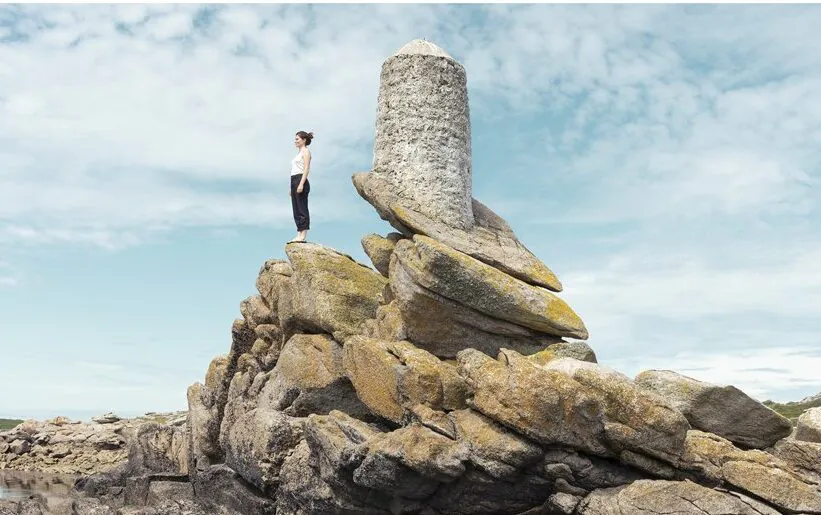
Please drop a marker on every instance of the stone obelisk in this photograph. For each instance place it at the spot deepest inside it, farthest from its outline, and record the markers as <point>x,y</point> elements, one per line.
<point>422,143</point>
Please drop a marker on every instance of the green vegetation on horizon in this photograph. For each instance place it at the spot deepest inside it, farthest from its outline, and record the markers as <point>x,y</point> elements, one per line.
<point>792,410</point>
<point>8,423</point>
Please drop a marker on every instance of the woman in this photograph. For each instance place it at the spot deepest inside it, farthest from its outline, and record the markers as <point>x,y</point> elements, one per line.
<point>300,187</point>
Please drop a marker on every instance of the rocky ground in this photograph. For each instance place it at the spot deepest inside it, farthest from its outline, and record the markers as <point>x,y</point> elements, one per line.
<point>64,446</point>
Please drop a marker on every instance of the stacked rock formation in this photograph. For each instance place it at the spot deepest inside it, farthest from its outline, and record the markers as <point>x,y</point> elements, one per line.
<point>451,378</point>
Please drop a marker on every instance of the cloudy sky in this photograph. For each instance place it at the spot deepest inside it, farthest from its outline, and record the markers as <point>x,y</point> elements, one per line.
<point>662,160</point>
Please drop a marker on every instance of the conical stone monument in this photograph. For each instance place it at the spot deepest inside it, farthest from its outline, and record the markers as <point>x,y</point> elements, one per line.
<point>422,141</point>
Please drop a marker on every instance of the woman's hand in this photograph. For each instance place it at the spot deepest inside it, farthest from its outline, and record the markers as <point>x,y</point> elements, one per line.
<point>299,188</point>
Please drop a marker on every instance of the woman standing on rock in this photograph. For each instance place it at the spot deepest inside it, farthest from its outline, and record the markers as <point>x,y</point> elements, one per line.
<point>300,187</point>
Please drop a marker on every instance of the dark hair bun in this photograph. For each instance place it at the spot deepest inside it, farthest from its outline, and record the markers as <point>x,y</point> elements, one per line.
<point>307,136</point>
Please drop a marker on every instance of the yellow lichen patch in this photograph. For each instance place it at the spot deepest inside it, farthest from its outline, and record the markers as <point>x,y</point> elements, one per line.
<point>779,487</point>
<point>371,370</point>
<point>562,315</point>
<point>332,292</point>
<point>216,371</point>
<point>260,347</point>
<point>310,361</point>
<point>542,275</point>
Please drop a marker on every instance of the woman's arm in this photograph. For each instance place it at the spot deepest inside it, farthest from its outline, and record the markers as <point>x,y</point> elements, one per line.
<point>306,160</point>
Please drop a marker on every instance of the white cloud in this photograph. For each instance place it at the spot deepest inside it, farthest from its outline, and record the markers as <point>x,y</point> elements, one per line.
<point>647,135</point>
<point>768,373</point>
<point>686,287</point>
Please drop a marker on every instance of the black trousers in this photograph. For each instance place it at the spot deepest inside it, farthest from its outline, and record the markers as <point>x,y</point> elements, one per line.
<point>299,201</point>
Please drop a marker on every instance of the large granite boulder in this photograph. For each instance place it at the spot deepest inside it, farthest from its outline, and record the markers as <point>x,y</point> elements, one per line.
<point>392,377</point>
<point>637,421</point>
<point>547,406</point>
<point>331,292</point>
<point>808,427</point>
<point>722,410</point>
<point>573,403</point>
<point>468,281</point>
<point>309,377</point>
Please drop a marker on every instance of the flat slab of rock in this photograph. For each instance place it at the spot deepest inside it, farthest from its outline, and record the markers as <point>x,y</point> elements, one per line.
<point>564,349</point>
<point>444,327</point>
<point>808,427</point>
<point>108,418</point>
<point>648,497</point>
<point>490,240</point>
<point>468,281</point>
<point>722,410</point>
<point>717,460</point>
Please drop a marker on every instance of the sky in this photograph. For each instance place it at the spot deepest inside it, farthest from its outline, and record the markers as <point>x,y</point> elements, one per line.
<point>663,160</point>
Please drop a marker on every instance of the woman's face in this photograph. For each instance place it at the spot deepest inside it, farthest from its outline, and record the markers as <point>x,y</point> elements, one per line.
<point>298,142</point>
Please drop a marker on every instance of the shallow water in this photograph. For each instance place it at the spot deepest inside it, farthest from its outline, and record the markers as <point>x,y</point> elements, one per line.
<point>56,488</point>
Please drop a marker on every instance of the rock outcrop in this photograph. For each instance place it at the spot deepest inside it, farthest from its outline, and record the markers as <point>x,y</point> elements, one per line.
<point>452,379</point>
<point>725,411</point>
<point>64,446</point>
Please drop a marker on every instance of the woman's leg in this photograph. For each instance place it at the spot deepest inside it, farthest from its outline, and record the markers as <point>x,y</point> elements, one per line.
<point>299,202</point>
<point>294,203</point>
<point>305,222</point>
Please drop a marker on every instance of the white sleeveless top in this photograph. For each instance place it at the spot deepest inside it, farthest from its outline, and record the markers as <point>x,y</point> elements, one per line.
<point>297,164</point>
